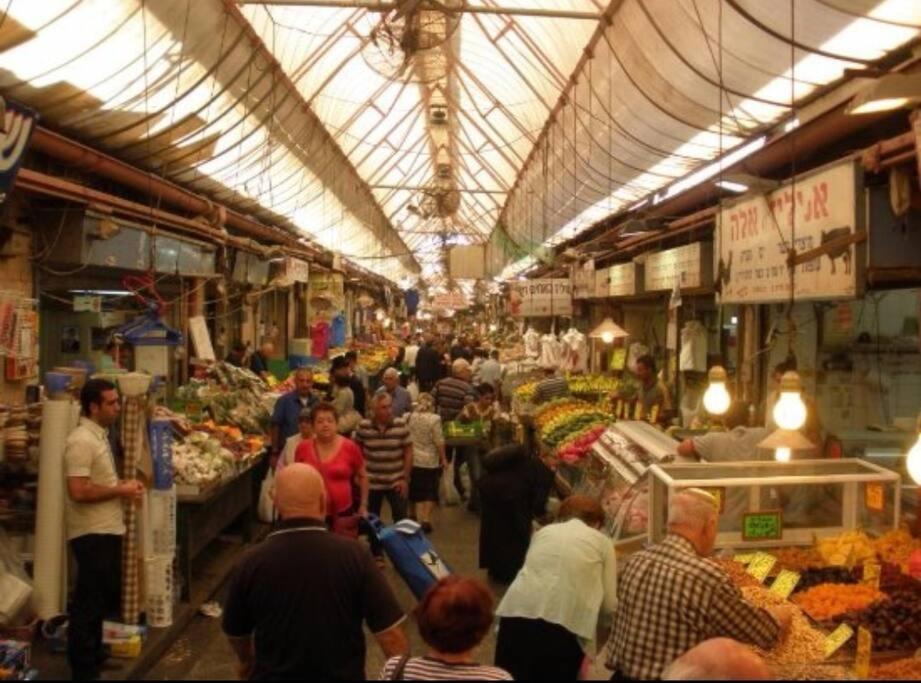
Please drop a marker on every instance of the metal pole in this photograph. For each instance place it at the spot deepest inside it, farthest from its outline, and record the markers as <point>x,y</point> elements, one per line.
<point>378,6</point>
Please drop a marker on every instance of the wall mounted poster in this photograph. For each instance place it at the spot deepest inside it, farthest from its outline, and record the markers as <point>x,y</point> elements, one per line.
<point>754,235</point>
<point>541,298</point>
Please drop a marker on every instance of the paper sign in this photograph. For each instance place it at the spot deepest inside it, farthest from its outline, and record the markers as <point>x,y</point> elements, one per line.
<point>837,638</point>
<point>201,338</point>
<point>618,359</point>
<point>92,304</point>
<point>761,566</point>
<point>719,493</point>
<point>864,652</point>
<point>875,496</point>
<point>744,558</point>
<point>871,574</point>
<point>785,583</point>
<point>762,526</point>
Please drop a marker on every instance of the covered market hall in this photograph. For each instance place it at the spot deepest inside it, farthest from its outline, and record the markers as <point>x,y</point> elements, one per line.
<point>460,339</point>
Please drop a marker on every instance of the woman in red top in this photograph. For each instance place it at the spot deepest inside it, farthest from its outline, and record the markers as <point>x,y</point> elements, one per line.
<point>341,463</point>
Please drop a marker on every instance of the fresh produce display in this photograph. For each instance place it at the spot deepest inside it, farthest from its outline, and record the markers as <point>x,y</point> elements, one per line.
<point>895,623</point>
<point>199,459</point>
<point>374,360</point>
<point>830,600</point>
<point>554,409</point>
<point>525,393</point>
<point>593,384</point>
<point>579,444</point>
<point>568,421</point>
<point>897,547</point>
<point>232,396</point>
<point>908,669</point>
<point>805,644</point>
<point>847,548</point>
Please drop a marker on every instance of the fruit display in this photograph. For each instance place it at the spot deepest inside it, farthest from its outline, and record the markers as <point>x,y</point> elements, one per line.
<point>595,385</point>
<point>798,559</point>
<point>805,644</point>
<point>816,576</point>
<point>846,549</point>
<point>374,360</point>
<point>525,393</point>
<point>554,409</point>
<point>232,396</point>
<point>569,421</point>
<point>897,547</point>
<point>829,600</point>
<point>579,444</point>
<point>895,623</point>
<point>908,669</point>
<point>199,459</point>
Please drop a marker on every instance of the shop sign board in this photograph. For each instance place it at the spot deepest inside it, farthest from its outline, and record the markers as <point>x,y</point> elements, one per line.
<point>754,236</point>
<point>329,286</point>
<point>688,267</point>
<point>89,304</point>
<point>762,526</point>
<point>450,301</point>
<point>583,280</point>
<point>622,280</point>
<point>541,298</point>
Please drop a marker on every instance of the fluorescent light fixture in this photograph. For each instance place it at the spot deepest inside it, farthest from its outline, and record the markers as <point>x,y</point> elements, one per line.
<point>100,292</point>
<point>731,186</point>
<point>791,125</point>
<point>891,92</point>
<point>712,170</point>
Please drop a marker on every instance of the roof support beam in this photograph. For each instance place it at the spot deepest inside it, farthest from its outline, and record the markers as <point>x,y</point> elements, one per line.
<point>377,6</point>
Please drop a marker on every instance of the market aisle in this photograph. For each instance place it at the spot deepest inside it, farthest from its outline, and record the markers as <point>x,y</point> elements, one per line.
<point>202,652</point>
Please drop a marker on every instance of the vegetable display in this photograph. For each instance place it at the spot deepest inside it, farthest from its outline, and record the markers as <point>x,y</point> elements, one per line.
<point>232,396</point>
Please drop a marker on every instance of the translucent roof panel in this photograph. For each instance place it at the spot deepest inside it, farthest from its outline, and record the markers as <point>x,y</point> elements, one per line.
<point>389,134</point>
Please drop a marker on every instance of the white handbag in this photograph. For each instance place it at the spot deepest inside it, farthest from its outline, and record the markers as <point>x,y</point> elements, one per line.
<point>266,508</point>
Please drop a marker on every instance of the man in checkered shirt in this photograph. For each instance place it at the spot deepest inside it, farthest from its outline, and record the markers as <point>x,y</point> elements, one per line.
<point>671,598</point>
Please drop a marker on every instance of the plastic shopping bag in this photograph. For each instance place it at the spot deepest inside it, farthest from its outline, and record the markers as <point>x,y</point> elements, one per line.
<point>447,492</point>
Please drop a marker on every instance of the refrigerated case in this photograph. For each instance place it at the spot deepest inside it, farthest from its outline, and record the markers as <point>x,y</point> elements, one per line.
<point>815,498</point>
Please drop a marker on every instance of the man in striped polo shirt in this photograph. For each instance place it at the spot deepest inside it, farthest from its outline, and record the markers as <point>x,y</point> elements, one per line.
<point>451,395</point>
<point>553,386</point>
<point>388,452</point>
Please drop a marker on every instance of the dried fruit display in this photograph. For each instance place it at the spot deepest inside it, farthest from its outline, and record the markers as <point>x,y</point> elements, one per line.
<point>908,669</point>
<point>810,578</point>
<point>896,547</point>
<point>811,672</point>
<point>851,546</point>
<point>804,644</point>
<point>895,623</point>
<point>798,559</point>
<point>737,572</point>
<point>830,600</point>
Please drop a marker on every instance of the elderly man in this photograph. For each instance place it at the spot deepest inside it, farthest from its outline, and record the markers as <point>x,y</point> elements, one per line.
<point>451,395</point>
<point>402,401</point>
<point>388,452</point>
<point>296,602</point>
<point>259,363</point>
<point>719,659</point>
<point>671,598</point>
<point>288,409</point>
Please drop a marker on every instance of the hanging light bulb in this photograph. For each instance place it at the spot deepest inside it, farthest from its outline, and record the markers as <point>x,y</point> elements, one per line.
<point>790,411</point>
<point>913,460</point>
<point>716,398</point>
<point>607,337</point>
<point>783,455</point>
<point>608,331</point>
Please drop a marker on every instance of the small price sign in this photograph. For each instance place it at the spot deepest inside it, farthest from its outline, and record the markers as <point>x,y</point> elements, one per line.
<point>745,558</point>
<point>719,493</point>
<point>762,526</point>
<point>785,583</point>
<point>864,653</point>
<point>871,574</point>
<point>761,566</point>
<point>837,638</point>
<point>875,497</point>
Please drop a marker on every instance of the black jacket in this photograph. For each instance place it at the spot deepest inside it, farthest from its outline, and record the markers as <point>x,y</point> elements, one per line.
<point>428,366</point>
<point>513,492</point>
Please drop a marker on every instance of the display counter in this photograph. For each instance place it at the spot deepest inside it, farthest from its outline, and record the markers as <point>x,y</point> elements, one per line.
<point>772,504</point>
<point>204,516</point>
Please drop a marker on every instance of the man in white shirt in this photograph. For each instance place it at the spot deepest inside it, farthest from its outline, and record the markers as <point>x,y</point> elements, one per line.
<point>491,371</point>
<point>410,353</point>
<point>95,525</point>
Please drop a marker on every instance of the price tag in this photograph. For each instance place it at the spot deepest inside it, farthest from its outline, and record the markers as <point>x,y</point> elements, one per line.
<point>864,653</point>
<point>719,493</point>
<point>745,558</point>
<point>785,583</point>
<point>871,574</point>
<point>761,566</point>
<point>875,497</point>
<point>837,638</point>
<point>762,526</point>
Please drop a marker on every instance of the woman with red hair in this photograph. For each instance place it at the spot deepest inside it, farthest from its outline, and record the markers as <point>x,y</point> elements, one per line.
<point>453,618</point>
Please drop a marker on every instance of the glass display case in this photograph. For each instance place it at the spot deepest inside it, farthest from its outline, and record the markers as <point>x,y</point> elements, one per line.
<point>770,504</point>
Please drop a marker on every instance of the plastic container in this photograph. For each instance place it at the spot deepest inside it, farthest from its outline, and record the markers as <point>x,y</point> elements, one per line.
<point>162,515</point>
<point>160,433</point>
<point>134,383</point>
<point>57,384</point>
<point>159,572</point>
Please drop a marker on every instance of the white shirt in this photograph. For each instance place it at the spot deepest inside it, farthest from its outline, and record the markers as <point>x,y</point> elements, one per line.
<point>409,355</point>
<point>491,372</point>
<point>88,454</point>
<point>569,576</point>
<point>290,450</point>
<point>426,433</point>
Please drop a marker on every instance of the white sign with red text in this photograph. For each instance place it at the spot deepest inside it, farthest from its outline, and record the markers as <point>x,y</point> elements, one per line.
<point>754,235</point>
<point>541,298</point>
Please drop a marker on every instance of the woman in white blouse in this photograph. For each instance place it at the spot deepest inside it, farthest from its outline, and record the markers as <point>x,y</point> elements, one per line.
<point>428,460</point>
<point>549,616</point>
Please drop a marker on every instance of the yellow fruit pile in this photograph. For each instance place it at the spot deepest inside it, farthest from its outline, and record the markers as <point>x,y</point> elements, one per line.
<point>525,392</point>
<point>549,412</point>
<point>850,547</point>
<point>897,547</point>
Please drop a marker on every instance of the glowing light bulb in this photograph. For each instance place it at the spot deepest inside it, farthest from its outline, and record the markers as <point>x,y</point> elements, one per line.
<point>913,462</point>
<point>716,398</point>
<point>783,455</point>
<point>607,337</point>
<point>790,411</point>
